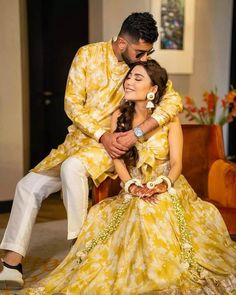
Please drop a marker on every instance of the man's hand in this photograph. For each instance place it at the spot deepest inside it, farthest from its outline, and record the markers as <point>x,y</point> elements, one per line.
<point>127,138</point>
<point>114,148</point>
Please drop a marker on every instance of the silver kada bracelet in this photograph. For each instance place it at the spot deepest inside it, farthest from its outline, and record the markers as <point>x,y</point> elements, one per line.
<point>160,179</point>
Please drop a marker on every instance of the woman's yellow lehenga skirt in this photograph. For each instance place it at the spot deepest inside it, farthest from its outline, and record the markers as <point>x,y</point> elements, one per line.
<point>127,246</point>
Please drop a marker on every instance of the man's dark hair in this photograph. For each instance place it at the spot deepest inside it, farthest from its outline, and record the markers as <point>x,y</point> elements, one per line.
<point>140,25</point>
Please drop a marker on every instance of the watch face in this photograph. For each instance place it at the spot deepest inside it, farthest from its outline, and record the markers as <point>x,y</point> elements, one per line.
<point>138,132</point>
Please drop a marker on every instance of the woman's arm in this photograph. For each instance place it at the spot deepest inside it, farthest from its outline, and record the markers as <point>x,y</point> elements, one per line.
<point>176,149</point>
<point>175,138</point>
<point>123,172</point>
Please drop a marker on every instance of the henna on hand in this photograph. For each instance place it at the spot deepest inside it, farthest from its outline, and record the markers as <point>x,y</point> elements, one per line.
<point>153,199</point>
<point>141,192</point>
<point>160,188</point>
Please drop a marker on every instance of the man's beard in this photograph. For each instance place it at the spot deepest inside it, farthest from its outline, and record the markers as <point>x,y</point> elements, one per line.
<point>126,58</point>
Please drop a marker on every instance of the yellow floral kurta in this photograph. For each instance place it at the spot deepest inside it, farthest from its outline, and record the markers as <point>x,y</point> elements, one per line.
<point>94,91</point>
<point>179,246</point>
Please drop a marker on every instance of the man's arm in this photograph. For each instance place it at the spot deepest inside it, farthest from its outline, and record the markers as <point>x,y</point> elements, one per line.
<point>169,107</point>
<point>80,114</point>
<point>109,140</point>
<point>75,97</point>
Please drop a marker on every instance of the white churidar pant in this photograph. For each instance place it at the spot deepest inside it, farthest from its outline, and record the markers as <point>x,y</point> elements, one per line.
<point>32,189</point>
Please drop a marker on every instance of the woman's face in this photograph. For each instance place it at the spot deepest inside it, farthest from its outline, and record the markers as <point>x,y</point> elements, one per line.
<point>137,84</point>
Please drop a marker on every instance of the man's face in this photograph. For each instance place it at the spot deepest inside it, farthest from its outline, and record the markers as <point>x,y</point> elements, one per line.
<point>136,51</point>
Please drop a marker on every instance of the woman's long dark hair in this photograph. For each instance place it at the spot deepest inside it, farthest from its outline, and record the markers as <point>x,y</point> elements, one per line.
<point>159,77</point>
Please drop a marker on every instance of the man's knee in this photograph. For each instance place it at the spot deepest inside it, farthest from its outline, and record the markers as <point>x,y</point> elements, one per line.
<point>27,190</point>
<point>27,182</point>
<point>73,167</point>
<point>36,187</point>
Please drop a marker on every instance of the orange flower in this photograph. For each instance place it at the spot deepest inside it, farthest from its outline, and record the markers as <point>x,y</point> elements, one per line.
<point>229,97</point>
<point>233,112</point>
<point>202,110</point>
<point>207,114</point>
<point>211,99</point>
<point>188,100</point>
<point>224,103</point>
<point>193,109</point>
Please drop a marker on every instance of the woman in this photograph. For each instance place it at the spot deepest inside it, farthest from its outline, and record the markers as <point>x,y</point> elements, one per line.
<point>154,237</point>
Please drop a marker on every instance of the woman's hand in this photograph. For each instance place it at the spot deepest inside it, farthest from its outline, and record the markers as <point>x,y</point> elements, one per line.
<point>144,193</point>
<point>140,191</point>
<point>160,188</point>
<point>152,200</point>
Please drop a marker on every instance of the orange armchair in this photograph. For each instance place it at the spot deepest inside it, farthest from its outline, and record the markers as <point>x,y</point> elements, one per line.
<point>204,165</point>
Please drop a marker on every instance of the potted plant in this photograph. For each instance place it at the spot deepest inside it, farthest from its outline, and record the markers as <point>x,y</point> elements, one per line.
<point>206,114</point>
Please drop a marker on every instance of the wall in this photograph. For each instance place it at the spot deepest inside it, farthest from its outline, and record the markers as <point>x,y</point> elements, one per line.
<point>114,12</point>
<point>95,21</point>
<point>13,97</point>
<point>211,49</point>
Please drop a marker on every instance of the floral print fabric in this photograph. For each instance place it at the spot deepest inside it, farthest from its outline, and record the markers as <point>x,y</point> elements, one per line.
<point>178,246</point>
<point>94,91</point>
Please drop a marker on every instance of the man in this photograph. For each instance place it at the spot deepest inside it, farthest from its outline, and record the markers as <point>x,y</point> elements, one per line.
<point>94,91</point>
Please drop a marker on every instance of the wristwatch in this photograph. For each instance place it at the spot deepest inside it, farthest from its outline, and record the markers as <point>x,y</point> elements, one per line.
<point>139,134</point>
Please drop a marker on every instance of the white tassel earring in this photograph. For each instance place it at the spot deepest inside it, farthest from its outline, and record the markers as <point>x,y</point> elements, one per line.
<point>150,105</point>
